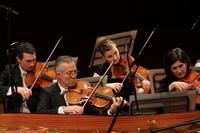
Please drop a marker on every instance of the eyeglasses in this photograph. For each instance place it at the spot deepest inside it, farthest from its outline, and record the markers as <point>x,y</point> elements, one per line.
<point>72,73</point>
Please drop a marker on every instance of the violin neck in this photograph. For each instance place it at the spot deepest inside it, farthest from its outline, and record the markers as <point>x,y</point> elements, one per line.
<point>106,97</point>
<point>137,75</point>
<point>103,96</point>
<point>50,79</point>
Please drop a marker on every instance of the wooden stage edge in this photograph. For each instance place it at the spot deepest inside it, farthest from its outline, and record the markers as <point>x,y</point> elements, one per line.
<point>63,123</point>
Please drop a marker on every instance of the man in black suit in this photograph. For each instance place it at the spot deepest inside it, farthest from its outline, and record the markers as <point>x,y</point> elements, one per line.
<point>12,82</point>
<point>53,99</point>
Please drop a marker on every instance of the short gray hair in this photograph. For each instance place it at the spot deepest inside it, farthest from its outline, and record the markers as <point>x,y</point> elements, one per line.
<point>63,59</point>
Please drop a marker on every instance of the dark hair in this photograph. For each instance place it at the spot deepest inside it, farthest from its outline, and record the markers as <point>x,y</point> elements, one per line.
<point>105,45</point>
<point>24,47</point>
<point>174,55</point>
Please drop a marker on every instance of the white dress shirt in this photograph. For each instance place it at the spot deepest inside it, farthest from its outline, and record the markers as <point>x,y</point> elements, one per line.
<point>24,108</point>
<point>62,92</point>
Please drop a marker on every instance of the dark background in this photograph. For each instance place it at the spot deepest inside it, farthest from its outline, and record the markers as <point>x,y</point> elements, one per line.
<point>81,22</point>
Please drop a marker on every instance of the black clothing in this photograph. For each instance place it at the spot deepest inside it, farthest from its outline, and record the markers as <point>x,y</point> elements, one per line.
<point>15,101</point>
<point>164,84</point>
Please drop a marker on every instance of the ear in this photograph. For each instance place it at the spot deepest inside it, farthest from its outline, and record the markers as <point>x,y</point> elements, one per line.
<point>18,59</point>
<point>58,74</point>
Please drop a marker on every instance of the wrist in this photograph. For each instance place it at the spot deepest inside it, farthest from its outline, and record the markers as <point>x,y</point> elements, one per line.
<point>171,87</point>
<point>64,109</point>
<point>110,112</point>
<point>17,90</point>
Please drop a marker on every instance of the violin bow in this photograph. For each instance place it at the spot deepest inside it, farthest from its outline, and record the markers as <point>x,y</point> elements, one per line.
<point>135,74</point>
<point>93,91</point>
<point>42,69</point>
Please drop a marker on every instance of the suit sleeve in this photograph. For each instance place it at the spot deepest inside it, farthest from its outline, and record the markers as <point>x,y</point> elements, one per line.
<point>44,106</point>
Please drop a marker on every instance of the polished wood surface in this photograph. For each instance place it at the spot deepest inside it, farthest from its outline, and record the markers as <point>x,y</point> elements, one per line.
<point>63,123</point>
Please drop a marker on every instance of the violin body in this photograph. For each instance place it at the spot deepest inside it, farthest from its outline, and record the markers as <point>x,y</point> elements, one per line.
<point>193,78</point>
<point>79,94</point>
<point>121,69</point>
<point>46,78</point>
<point>102,103</point>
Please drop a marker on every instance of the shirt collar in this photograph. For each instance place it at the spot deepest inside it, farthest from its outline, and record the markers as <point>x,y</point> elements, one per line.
<point>62,89</point>
<point>22,71</point>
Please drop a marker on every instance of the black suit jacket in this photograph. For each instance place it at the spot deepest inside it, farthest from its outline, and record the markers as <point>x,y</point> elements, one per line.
<point>15,101</point>
<point>51,100</point>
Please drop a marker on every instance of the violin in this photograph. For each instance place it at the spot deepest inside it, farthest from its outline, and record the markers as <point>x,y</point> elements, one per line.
<point>82,90</point>
<point>121,70</point>
<point>45,79</point>
<point>39,72</point>
<point>193,78</point>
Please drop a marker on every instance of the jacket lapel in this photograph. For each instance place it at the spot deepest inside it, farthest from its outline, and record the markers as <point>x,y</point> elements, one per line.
<point>17,76</point>
<point>59,99</point>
